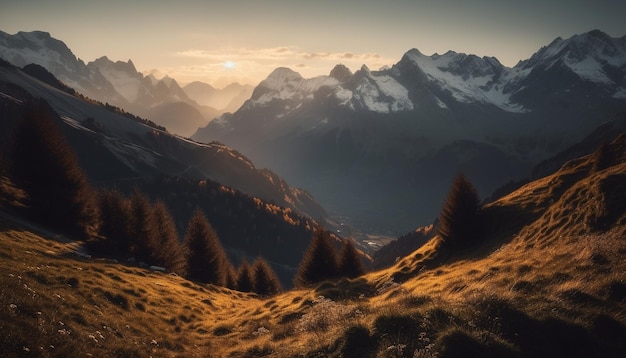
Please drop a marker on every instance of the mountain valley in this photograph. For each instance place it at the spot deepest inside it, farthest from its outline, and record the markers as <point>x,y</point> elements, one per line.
<point>379,147</point>
<point>444,206</point>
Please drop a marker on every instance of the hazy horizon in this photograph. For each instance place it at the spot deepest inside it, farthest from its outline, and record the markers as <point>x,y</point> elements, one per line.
<point>243,41</point>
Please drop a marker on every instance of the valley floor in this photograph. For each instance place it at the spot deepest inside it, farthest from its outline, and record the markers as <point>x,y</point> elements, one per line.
<point>568,301</point>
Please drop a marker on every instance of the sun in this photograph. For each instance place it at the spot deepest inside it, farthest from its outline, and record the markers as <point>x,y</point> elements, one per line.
<point>229,65</point>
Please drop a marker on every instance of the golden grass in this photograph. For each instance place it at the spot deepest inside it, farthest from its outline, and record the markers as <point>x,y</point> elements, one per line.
<point>549,281</point>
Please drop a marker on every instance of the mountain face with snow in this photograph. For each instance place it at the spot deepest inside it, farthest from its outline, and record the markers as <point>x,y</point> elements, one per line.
<point>381,147</point>
<point>117,83</point>
<point>113,147</point>
<point>40,48</point>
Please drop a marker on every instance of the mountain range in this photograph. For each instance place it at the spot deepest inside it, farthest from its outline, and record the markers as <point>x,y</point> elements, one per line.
<point>113,145</point>
<point>379,149</point>
<point>181,109</point>
<point>544,278</point>
<point>254,210</point>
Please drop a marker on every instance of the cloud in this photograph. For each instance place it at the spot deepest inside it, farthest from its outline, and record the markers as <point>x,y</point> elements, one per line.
<point>240,53</point>
<point>274,53</point>
<point>339,56</point>
<point>254,64</point>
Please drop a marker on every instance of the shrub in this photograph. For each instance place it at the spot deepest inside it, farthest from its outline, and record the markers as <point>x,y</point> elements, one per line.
<point>358,343</point>
<point>457,343</point>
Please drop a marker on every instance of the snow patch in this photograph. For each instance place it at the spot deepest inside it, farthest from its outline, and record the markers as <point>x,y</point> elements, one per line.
<point>466,88</point>
<point>284,84</point>
<point>382,94</point>
<point>440,103</point>
<point>11,98</point>
<point>589,69</point>
<point>620,94</point>
<point>343,95</point>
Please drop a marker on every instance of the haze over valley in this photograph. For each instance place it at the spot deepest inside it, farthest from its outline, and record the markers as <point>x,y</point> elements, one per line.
<point>339,179</point>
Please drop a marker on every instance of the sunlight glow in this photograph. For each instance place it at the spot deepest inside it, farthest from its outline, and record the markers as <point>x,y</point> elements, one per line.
<point>229,65</point>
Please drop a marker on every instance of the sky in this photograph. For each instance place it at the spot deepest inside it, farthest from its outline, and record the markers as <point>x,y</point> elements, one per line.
<point>220,42</point>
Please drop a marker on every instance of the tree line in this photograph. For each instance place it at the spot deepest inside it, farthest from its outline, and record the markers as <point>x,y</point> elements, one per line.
<point>59,196</point>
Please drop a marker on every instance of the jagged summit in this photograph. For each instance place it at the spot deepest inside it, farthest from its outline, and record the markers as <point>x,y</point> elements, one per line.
<point>592,51</point>
<point>104,63</point>
<point>341,73</point>
<point>286,84</point>
<point>119,83</point>
<point>37,34</point>
<point>434,114</point>
<point>280,76</point>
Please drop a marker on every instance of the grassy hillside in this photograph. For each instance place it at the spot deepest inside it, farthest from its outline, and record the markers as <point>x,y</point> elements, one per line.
<point>549,281</point>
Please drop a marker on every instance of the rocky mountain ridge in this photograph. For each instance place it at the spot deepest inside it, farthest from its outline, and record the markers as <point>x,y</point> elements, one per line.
<point>119,83</point>
<point>398,135</point>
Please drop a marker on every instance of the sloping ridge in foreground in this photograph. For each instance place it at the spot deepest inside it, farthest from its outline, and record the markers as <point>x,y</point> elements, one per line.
<point>550,280</point>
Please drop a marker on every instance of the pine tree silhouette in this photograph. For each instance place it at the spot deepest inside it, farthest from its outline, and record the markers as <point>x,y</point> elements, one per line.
<point>601,158</point>
<point>144,229</point>
<point>265,281</point>
<point>44,165</point>
<point>350,264</point>
<point>170,252</point>
<point>115,222</point>
<point>244,277</point>
<point>207,261</point>
<point>319,262</point>
<point>460,221</point>
<point>3,165</point>
<point>230,280</point>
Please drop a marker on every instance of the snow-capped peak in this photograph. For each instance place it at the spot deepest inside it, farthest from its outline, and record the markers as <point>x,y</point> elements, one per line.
<point>586,55</point>
<point>466,78</point>
<point>279,77</point>
<point>378,92</point>
<point>365,90</point>
<point>286,84</point>
<point>40,48</point>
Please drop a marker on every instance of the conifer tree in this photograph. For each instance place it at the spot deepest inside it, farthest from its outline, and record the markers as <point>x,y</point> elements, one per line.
<point>319,262</point>
<point>230,280</point>
<point>601,158</point>
<point>207,261</point>
<point>170,252</point>
<point>350,264</point>
<point>45,166</point>
<point>115,222</point>
<point>244,277</point>
<point>266,283</point>
<point>144,229</point>
<point>3,165</point>
<point>460,221</point>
